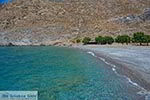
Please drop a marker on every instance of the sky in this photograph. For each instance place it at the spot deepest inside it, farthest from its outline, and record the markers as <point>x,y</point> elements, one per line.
<point>4,1</point>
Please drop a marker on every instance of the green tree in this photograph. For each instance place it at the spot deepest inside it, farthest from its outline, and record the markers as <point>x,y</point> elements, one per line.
<point>138,37</point>
<point>86,40</point>
<point>99,39</point>
<point>117,39</point>
<point>104,40</point>
<point>108,39</point>
<point>149,39</point>
<point>146,39</point>
<point>123,39</point>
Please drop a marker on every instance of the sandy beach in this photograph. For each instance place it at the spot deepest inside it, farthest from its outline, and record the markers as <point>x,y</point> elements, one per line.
<point>132,62</point>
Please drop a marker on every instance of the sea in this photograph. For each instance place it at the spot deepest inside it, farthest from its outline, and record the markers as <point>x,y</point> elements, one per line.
<point>62,73</point>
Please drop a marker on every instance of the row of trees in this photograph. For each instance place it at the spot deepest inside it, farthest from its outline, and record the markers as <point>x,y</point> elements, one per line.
<point>104,40</point>
<point>138,37</point>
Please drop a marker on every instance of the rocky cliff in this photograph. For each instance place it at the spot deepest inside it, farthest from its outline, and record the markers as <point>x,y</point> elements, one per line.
<point>35,22</point>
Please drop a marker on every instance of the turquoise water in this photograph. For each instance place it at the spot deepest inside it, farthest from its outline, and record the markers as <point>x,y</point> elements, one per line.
<point>61,74</point>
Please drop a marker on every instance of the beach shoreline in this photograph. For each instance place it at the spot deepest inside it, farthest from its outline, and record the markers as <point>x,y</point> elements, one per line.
<point>129,71</point>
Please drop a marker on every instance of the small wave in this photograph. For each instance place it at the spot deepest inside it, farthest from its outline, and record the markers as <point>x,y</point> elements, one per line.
<point>91,53</point>
<point>133,83</point>
<point>112,65</point>
<point>102,59</point>
<point>146,93</point>
<point>142,92</point>
<point>113,69</point>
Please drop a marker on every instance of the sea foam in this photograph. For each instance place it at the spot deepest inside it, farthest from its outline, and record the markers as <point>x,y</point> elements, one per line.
<point>112,65</point>
<point>91,53</point>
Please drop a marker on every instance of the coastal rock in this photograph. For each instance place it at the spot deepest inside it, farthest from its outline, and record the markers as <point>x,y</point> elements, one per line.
<point>145,16</point>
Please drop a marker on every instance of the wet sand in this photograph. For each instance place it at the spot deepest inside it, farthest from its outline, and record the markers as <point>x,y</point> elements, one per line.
<point>137,74</point>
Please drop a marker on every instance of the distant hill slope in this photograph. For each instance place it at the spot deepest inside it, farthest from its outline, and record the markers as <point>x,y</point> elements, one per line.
<point>40,21</point>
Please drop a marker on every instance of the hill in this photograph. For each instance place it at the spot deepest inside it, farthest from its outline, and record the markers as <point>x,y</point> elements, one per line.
<point>31,22</point>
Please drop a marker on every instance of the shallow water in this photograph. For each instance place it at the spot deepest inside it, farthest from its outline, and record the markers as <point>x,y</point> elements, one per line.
<point>61,74</point>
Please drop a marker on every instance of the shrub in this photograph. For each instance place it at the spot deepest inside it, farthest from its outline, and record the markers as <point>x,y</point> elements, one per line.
<point>146,39</point>
<point>103,42</point>
<point>86,40</point>
<point>109,39</point>
<point>99,39</point>
<point>78,41</point>
<point>123,39</point>
<point>138,37</point>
